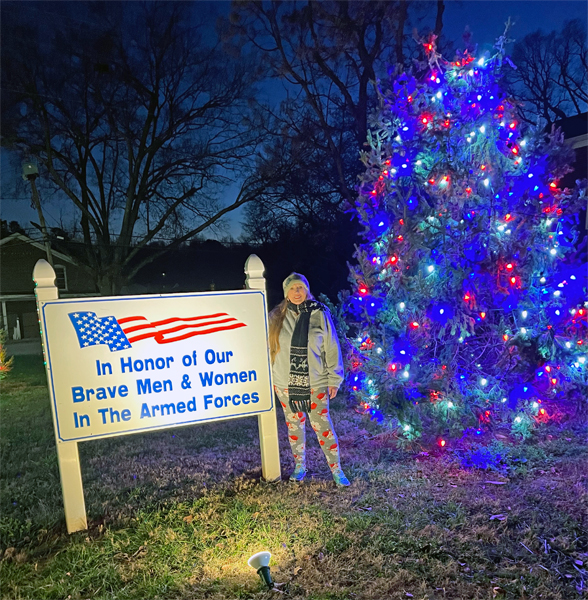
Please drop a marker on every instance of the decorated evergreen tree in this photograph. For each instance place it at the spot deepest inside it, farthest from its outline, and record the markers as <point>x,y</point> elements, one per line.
<point>468,306</point>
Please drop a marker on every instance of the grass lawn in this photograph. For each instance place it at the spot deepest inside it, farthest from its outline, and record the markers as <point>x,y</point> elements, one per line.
<point>176,514</point>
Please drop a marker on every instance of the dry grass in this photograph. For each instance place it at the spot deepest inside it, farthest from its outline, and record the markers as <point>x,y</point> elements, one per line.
<point>176,514</point>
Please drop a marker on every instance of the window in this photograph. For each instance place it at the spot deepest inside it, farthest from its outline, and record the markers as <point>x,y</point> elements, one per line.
<point>60,277</point>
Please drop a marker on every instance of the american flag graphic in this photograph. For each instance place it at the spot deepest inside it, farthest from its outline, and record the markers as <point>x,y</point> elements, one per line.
<point>120,334</point>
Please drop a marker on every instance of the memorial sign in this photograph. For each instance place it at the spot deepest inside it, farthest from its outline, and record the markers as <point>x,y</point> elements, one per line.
<point>131,364</point>
<point>124,365</point>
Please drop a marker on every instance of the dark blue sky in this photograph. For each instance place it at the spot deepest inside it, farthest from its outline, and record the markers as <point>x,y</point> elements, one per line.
<point>485,19</point>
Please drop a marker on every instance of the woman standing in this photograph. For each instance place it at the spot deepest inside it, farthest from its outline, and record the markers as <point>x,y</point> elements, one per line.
<point>307,371</point>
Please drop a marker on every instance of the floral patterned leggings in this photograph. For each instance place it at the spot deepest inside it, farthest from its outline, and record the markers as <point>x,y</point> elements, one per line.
<point>320,420</point>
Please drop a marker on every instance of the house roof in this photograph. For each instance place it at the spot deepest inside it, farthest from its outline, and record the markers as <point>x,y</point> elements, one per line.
<point>575,129</point>
<point>27,240</point>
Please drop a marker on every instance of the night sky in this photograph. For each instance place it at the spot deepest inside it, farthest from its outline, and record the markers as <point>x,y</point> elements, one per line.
<point>485,19</point>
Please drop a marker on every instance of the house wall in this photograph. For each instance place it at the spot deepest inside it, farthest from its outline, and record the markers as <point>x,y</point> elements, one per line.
<point>18,258</point>
<point>23,322</point>
<point>18,261</point>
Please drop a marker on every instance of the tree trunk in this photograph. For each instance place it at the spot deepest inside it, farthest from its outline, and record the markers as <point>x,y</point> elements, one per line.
<point>400,32</point>
<point>439,20</point>
<point>111,282</point>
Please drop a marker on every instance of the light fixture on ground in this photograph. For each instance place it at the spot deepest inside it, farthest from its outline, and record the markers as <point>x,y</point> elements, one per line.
<point>260,562</point>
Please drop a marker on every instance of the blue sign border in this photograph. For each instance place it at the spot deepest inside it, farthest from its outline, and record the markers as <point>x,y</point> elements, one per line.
<point>147,297</point>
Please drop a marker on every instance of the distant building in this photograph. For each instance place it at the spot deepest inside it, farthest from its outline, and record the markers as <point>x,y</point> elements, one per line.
<point>18,256</point>
<point>575,132</point>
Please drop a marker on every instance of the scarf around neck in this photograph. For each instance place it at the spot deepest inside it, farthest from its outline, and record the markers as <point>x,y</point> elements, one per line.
<point>298,379</point>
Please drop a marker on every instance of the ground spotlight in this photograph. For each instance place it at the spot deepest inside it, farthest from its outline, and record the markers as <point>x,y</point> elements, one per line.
<point>260,562</point>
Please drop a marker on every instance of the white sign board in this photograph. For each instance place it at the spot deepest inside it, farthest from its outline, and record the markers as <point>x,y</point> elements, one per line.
<point>129,364</point>
<point>133,364</point>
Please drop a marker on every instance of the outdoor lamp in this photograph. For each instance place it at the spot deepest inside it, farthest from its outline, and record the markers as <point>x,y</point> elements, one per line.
<point>30,172</point>
<point>29,169</point>
<point>260,562</point>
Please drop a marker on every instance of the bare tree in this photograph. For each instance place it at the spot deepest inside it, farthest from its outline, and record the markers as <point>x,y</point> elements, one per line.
<point>551,78</point>
<point>571,56</point>
<point>328,57</point>
<point>138,123</point>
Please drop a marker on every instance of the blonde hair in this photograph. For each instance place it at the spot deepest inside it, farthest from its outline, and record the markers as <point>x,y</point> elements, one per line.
<point>276,320</point>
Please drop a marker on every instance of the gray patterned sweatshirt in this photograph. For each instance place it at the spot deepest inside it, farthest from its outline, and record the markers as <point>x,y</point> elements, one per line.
<point>325,364</point>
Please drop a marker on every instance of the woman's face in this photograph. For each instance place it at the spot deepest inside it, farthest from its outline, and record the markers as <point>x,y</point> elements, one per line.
<point>297,294</point>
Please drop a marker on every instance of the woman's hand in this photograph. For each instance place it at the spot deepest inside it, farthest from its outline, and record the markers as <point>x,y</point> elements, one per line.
<point>332,392</point>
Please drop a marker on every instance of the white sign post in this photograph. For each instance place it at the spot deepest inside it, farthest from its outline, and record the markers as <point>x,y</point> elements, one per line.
<point>129,364</point>
<point>268,430</point>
